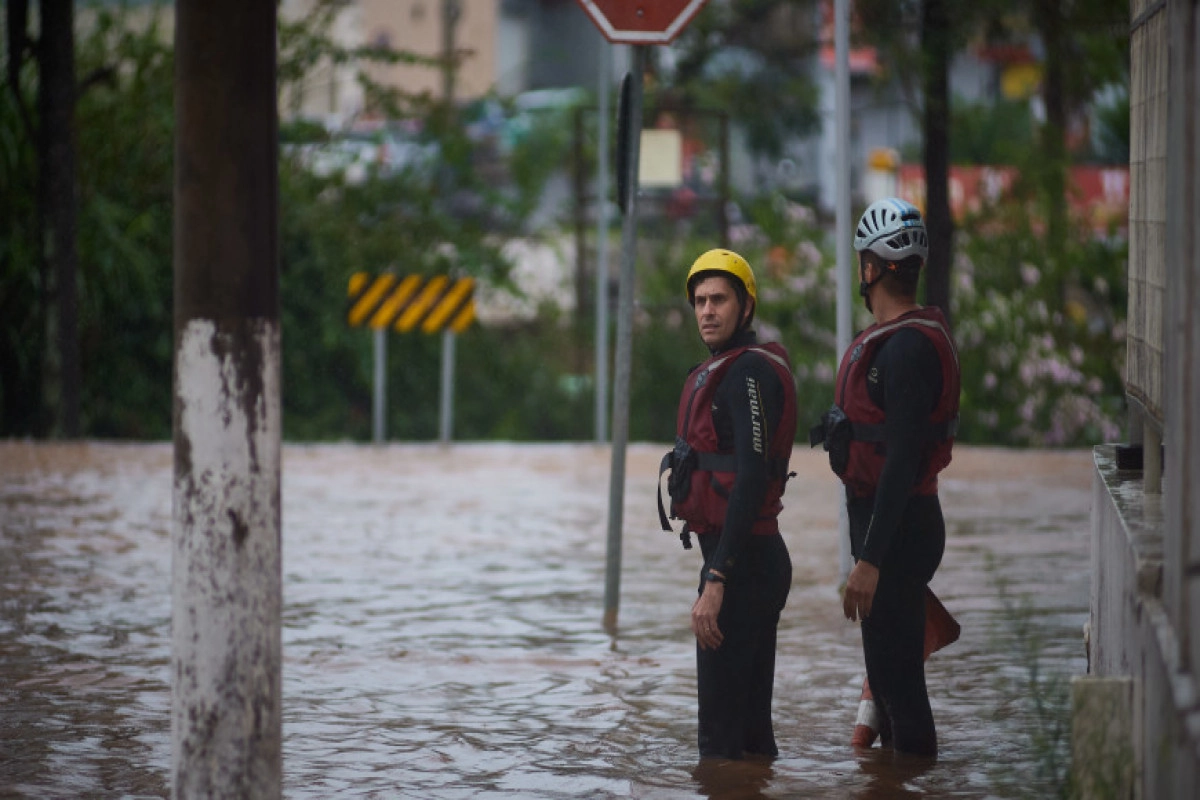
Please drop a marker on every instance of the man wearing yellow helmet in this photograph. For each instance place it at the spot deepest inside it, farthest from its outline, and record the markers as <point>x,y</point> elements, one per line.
<point>734,433</point>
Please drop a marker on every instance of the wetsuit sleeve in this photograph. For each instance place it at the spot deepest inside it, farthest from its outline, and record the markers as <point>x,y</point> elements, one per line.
<point>909,385</point>
<point>751,395</point>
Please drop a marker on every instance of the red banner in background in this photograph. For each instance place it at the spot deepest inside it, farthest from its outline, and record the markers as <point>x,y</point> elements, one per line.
<point>1099,195</point>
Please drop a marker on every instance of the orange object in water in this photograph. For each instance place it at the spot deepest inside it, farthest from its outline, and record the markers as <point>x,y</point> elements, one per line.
<point>941,629</point>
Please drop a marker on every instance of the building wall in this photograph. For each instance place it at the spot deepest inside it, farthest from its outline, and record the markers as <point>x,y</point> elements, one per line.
<point>1145,606</point>
<point>418,26</point>
<point>1147,207</point>
<point>333,91</point>
<point>1132,635</point>
<point>330,91</point>
<point>1181,351</point>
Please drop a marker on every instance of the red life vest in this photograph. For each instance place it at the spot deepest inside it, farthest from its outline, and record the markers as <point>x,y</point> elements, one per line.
<point>866,449</point>
<point>712,470</point>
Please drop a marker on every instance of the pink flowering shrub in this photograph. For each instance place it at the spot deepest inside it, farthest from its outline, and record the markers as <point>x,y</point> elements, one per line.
<point>1041,340</point>
<point>1041,337</point>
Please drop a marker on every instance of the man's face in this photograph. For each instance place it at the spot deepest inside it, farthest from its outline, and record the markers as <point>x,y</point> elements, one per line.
<point>716,310</point>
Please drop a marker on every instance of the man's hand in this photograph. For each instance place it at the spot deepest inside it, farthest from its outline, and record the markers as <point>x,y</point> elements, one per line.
<point>704,616</point>
<point>860,591</point>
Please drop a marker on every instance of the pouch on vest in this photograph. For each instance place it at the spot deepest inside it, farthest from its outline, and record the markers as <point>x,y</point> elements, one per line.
<point>834,433</point>
<point>683,463</point>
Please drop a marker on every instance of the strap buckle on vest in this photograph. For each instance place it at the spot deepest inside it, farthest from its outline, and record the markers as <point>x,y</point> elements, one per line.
<point>863,432</point>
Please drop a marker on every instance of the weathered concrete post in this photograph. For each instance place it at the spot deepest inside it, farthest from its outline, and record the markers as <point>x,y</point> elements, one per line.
<point>226,579</point>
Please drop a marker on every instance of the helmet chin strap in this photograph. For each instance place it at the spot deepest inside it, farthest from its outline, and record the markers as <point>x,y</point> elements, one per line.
<point>745,320</point>
<point>864,286</point>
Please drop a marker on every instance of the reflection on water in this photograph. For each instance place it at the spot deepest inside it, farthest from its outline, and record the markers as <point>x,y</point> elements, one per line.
<point>443,638</point>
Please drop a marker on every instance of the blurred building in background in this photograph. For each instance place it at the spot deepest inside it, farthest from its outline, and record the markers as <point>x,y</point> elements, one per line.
<point>506,48</point>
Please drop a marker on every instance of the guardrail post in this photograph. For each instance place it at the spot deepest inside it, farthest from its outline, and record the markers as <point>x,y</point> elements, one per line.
<point>446,419</point>
<point>379,400</point>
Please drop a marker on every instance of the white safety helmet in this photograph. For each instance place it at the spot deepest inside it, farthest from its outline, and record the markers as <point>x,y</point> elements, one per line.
<point>892,229</point>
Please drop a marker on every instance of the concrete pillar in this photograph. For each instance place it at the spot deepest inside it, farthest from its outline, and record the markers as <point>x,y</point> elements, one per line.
<point>226,576</point>
<point>1181,328</point>
<point>1151,460</point>
<point>1103,755</point>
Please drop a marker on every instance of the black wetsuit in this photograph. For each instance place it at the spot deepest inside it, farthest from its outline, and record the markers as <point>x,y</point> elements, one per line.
<point>904,535</point>
<point>735,681</point>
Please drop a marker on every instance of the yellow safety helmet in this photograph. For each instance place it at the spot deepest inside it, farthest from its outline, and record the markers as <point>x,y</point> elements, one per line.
<point>726,261</point>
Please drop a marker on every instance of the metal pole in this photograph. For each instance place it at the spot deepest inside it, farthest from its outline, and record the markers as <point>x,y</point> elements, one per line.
<point>579,191</point>
<point>451,14</point>
<point>226,595</point>
<point>602,245</point>
<point>380,395</point>
<point>620,425</point>
<point>844,268</point>
<point>723,202</point>
<point>447,416</point>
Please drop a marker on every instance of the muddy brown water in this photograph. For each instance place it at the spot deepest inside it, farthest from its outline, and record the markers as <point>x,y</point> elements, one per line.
<point>443,639</point>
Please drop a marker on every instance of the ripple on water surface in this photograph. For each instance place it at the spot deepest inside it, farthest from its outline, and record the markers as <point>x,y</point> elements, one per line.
<point>442,633</point>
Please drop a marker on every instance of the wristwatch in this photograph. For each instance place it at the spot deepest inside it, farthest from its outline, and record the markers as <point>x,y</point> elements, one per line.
<point>712,576</point>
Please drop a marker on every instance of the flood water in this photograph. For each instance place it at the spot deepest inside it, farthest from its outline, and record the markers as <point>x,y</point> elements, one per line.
<point>443,632</point>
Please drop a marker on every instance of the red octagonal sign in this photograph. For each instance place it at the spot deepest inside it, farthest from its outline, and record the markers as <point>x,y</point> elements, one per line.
<point>641,21</point>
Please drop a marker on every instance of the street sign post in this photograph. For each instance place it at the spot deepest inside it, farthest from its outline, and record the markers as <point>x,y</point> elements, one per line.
<point>403,304</point>
<point>639,23</point>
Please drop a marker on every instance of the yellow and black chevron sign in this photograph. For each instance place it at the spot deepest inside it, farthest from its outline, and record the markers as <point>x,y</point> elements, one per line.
<point>405,302</point>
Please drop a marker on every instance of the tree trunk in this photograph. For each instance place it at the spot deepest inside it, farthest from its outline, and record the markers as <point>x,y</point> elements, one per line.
<point>1048,15</point>
<point>936,52</point>
<point>56,106</point>
<point>22,411</point>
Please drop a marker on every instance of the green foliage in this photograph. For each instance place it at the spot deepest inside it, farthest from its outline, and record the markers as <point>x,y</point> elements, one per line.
<point>331,229</point>
<point>524,383</point>
<point>1046,695</point>
<point>125,223</point>
<point>452,215</point>
<point>22,337</point>
<point>1040,328</point>
<point>124,149</point>
<point>999,132</point>
<point>1041,338</point>
<point>750,60</point>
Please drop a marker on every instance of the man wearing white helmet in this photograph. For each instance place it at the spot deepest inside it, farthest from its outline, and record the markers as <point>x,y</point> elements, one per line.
<point>889,434</point>
<point>734,433</point>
